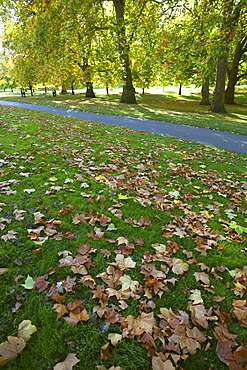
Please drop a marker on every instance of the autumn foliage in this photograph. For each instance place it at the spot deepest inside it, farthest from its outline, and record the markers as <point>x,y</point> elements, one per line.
<point>130,238</point>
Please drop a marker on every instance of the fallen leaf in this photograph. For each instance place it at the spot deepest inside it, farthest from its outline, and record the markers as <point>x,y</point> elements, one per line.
<point>29,283</point>
<point>114,338</point>
<point>105,352</point>
<point>68,363</point>
<point>196,296</point>
<point>123,263</point>
<point>26,329</point>
<point>10,235</point>
<point>3,270</point>
<point>11,349</point>
<point>203,277</point>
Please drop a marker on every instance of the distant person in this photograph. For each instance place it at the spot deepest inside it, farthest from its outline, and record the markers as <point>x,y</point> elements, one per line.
<point>54,93</point>
<point>23,93</point>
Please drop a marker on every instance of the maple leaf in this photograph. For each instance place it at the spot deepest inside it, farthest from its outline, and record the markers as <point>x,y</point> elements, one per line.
<point>105,352</point>
<point>29,283</point>
<point>123,263</point>
<point>203,277</point>
<point>26,329</point>
<point>190,344</point>
<point>68,363</point>
<point>10,235</point>
<point>239,311</point>
<point>61,309</point>
<point>196,296</point>
<point>178,266</point>
<point>159,364</point>
<point>40,283</point>
<point>128,283</point>
<point>38,217</point>
<point>114,338</point>
<point>19,214</point>
<point>11,349</point>
<point>88,281</point>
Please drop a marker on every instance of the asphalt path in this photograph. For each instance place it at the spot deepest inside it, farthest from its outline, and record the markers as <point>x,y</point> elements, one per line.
<point>218,139</point>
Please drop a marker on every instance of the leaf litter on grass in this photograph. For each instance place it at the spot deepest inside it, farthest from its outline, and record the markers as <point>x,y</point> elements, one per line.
<point>135,232</point>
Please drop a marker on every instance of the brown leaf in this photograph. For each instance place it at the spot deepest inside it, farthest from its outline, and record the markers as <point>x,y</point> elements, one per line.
<point>3,270</point>
<point>158,364</point>
<point>105,352</point>
<point>239,311</point>
<point>11,349</point>
<point>40,284</point>
<point>61,309</point>
<point>224,351</point>
<point>68,363</point>
<point>123,263</point>
<point>203,277</point>
<point>190,344</point>
<point>178,266</point>
<point>240,355</point>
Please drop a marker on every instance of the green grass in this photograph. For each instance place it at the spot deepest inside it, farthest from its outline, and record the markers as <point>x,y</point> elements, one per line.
<point>163,106</point>
<point>190,193</point>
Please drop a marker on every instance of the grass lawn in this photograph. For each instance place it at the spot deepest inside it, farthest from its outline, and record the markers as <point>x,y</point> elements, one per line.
<point>158,105</point>
<point>125,250</point>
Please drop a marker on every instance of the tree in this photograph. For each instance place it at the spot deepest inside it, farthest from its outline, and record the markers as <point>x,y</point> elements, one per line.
<point>128,95</point>
<point>231,12</point>
<point>233,70</point>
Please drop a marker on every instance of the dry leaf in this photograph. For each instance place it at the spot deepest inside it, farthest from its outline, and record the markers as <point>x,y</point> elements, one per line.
<point>105,353</point>
<point>11,349</point>
<point>68,363</point>
<point>203,277</point>
<point>114,338</point>
<point>61,309</point>
<point>158,364</point>
<point>196,296</point>
<point>3,270</point>
<point>123,263</point>
<point>26,329</point>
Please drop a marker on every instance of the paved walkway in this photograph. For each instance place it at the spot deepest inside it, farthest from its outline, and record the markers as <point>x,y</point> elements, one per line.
<point>224,140</point>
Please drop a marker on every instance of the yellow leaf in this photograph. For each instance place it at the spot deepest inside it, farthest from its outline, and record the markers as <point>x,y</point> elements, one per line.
<point>114,338</point>
<point>26,329</point>
<point>122,197</point>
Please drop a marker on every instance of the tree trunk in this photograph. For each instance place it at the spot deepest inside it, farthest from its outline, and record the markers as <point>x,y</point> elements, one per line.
<point>218,102</point>
<point>64,90</point>
<point>230,19</point>
<point>143,91</point>
<point>233,71</point>
<point>90,93</point>
<point>31,88</point>
<point>205,92</point>
<point>107,90</point>
<point>180,89</point>
<point>72,87</point>
<point>128,94</point>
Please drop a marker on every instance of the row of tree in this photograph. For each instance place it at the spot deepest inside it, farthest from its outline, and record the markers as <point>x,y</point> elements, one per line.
<point>136,42</point>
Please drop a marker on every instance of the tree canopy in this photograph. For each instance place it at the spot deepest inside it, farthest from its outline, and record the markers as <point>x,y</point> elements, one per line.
<point>137,43</point>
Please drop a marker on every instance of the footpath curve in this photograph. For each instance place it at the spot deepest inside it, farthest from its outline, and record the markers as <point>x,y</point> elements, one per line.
<point>219,139</point>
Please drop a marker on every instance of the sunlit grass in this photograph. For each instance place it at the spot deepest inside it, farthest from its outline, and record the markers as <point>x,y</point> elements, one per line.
<point>85,161</point>
<point>157,104</point>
